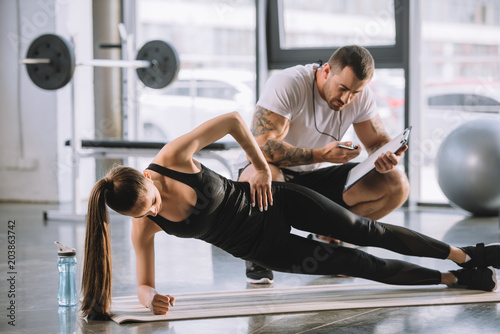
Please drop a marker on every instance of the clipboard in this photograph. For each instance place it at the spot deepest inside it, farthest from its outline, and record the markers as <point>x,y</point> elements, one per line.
<point>368,165</point>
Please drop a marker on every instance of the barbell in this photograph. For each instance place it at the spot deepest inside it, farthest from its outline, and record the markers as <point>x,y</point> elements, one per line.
<point>50,62</point>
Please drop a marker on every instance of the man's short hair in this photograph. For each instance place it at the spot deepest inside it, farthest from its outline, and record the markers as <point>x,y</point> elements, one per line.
<point>356,57</point>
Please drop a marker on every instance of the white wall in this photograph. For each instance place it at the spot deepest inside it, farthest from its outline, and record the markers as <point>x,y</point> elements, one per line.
<point>34,165</point>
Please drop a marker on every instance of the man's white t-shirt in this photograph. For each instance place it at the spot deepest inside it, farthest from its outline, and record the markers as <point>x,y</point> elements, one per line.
<point>289,93</point>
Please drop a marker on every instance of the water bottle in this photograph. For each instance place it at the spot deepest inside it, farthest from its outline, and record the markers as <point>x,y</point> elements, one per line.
<point>66,263</point>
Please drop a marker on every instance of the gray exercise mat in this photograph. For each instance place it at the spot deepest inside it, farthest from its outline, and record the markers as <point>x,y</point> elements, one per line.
<point>295,300</point>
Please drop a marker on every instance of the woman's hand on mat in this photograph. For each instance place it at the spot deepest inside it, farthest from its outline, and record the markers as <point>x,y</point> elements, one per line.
<point>388,161</point>
<point>260,189</point>
<point>335,154</point>
<point>160,304</point>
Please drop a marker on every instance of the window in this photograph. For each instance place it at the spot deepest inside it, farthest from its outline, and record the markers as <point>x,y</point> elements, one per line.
<point>215,41</point>
<point>300,32</point>
<point>326,23</point>
<point>460,74</point>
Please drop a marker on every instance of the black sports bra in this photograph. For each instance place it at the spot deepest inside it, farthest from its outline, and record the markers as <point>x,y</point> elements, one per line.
<point>214,194</point>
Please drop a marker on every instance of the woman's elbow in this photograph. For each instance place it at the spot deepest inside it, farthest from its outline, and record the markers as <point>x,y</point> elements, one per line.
<point>234,120</point>
<point>236,116</point>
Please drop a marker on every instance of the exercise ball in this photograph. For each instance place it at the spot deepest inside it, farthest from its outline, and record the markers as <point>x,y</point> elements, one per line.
<point>468,166</point>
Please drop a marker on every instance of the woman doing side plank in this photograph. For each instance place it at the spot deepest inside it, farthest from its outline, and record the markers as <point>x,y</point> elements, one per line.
<point>252,220</point>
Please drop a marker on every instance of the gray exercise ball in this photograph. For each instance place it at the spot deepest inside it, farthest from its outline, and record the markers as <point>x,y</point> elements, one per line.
<point>468,166</point>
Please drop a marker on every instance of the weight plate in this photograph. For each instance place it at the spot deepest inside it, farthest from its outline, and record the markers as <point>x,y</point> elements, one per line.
<point>60,70</point>
<point>164,67</point>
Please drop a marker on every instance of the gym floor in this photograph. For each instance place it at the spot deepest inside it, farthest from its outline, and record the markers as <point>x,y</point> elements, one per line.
<point>192,265</point>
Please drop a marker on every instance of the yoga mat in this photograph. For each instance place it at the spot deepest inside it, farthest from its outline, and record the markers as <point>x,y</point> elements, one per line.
<point>295,300</point>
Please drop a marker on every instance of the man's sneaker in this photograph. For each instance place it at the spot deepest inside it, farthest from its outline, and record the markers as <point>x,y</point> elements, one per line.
<point>482,256</point>
<point>475,279</point>
<point>258,275</point>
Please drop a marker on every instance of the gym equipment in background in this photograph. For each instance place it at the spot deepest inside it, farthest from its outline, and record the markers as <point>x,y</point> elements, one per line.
<point>50,62</point>
<point>468,166</point>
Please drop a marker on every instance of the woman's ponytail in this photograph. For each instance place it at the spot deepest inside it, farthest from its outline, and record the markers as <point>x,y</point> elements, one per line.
<point>120,190</point>
<point>96,280</point>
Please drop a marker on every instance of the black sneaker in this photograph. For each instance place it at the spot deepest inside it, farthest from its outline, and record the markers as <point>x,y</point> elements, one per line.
<point>475,279</point>
<point>258,275</point>
<point>482,256</point>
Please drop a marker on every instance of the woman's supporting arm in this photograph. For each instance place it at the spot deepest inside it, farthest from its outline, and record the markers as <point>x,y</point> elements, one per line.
<point>143,231</point>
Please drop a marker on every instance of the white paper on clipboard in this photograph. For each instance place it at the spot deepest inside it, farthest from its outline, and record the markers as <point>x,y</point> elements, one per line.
<point>368,165</point>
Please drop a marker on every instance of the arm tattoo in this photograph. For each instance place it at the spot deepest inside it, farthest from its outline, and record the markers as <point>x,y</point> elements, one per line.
<point>261,123</point>
<point>286,155</point>
<point>277,151</point>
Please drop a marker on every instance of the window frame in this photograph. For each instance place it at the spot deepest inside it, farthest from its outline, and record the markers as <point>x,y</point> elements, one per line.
<point>385,56</point>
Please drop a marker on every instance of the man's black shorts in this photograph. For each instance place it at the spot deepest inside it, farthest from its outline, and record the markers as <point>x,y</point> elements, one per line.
<point>328,181</point>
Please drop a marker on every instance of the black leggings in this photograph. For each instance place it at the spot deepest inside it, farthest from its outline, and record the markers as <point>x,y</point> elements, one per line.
<point>301,208</point>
